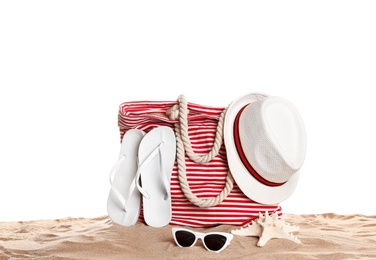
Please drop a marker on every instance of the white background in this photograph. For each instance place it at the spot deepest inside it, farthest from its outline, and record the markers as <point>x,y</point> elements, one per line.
<point>65,67</point>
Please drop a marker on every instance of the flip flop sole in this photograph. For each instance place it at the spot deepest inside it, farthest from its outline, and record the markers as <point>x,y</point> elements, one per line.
<point>124,180</point>
<point>157,208</point>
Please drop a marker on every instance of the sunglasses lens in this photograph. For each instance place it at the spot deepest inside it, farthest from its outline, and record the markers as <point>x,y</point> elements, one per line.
<point>185,238</point>
<point>215,242</point>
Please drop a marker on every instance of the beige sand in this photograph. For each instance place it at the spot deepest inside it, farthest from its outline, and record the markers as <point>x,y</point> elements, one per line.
<point>325,236</point>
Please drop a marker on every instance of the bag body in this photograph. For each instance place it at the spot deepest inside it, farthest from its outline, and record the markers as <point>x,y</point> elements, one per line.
<point>206,180</point>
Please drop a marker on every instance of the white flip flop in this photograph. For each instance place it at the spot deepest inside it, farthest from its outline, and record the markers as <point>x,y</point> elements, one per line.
<point>124,200</point>
<point>156,158</point>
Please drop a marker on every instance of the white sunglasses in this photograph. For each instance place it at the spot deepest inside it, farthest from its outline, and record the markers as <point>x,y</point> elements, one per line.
<point>213,241</point>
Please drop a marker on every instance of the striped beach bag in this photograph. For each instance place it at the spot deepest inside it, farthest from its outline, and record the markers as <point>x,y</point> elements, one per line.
<point>203,192</point>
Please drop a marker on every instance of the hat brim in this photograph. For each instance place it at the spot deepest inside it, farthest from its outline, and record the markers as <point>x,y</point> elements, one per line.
<point>250,186</point>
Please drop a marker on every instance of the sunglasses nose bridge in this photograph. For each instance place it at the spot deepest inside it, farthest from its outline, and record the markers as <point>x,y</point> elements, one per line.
<point>200,235</point>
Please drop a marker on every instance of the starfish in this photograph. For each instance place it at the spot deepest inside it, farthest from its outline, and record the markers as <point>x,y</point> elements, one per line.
<point>267,227</point>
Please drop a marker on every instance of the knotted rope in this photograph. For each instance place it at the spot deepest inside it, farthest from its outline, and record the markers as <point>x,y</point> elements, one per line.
<point>184,146</point>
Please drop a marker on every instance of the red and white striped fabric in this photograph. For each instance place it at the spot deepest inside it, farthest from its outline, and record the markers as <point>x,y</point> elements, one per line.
<point>205,180</point>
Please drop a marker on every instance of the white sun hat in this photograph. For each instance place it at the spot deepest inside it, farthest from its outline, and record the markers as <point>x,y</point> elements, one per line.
<point>265,142</point>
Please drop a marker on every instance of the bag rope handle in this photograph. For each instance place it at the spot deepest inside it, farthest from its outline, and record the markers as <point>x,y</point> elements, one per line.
<point>184,146</point>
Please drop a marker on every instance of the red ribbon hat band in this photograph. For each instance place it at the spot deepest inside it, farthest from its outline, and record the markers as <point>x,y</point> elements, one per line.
<point>244,159</point>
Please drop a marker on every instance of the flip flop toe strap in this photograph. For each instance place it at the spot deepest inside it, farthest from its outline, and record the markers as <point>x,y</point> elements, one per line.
<point>163,176</point>
<point>115,190</point>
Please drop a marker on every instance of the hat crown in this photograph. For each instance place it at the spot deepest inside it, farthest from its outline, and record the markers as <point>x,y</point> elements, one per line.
<point>273,138</point>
